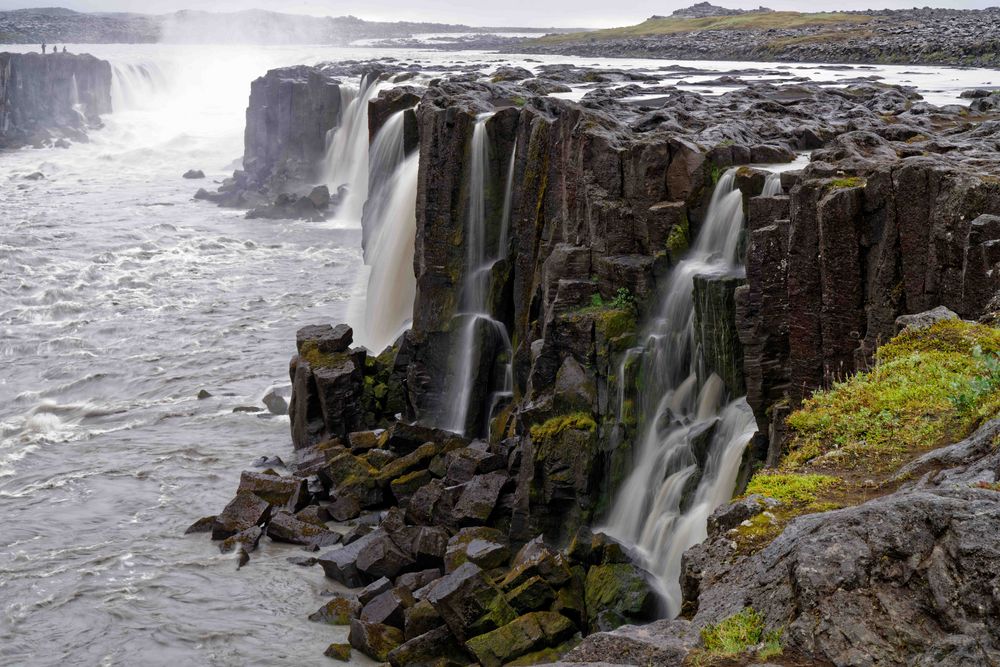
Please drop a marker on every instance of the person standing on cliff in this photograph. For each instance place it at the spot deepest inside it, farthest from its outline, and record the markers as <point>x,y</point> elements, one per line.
<point>43,48</point>
<point>64,49</point>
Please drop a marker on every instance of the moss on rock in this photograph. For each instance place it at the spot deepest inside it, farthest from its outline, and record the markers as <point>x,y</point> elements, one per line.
<point>552,428</point>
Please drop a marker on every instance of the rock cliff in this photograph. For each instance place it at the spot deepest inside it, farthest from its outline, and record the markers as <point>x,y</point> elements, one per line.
<point>46,97</point>
<point>544,231</point>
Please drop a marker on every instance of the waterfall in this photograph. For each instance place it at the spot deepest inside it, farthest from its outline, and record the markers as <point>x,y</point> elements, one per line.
<point>692,439</point>
<point>136,86</point>
<point>74,99</point>
<point>384,157</point>
<point>346,161</point>
<point>772,186</point>
<point>392,284</point>
<point>474,306</point>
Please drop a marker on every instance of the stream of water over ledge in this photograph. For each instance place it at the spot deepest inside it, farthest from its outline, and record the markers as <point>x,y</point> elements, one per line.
<point>120,300</point>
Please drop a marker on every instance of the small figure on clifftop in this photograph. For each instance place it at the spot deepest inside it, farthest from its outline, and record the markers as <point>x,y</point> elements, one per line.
<point>64,49</point>
<point>43,48</point>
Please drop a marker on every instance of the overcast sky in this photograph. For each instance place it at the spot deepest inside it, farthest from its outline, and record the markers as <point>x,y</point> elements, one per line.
<point>543,13</point>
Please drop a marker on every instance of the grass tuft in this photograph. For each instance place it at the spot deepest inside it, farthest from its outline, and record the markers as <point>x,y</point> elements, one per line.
<point>741,633</point>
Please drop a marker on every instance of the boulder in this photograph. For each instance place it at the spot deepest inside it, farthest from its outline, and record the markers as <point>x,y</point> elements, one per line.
<point>468,602</point>
<point>194,174</point>
<point>202,525</point>
<point>659,643</point>
<point>245,540</point>
<point>340,564</point>
<point>344,508</point>
<point>523,635</point>
<point>338,611</point>
<point>479,497</point>
<point>276,404</point>
<point>617,594</point>
<point>285,527</point>
<point>244,511</point>
<point>486,547</point>
<point>389,607</point>
<point>319,197</point>
<point>288,493</point>
<point>422,617</point>
<point>436,647</point>
<point>324,338</point>
<point>381,557</point>
<point>924,320</point>
<point>374,589</point>
<point>416,580</point>
<point>340,652</point>
<point>374,639</point>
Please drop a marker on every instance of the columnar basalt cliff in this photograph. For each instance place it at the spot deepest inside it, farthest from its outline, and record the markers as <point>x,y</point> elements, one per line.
<point>49,97</point>
<point>881,224</point>
<point>464,466</point>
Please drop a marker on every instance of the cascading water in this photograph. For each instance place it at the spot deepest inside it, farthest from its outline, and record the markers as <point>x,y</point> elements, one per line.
<point>392,285</point>
<point>691,443</point>
<point>74,99</point>
<point>384,157</point>
<point>480,261</point>
<point>136,86</point>
<point>772,185</point>
<point>346,161</point>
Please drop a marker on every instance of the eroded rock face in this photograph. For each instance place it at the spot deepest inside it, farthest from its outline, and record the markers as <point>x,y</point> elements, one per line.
<point>290,111</point>
<point>876,228</point>
<point>45,97</point>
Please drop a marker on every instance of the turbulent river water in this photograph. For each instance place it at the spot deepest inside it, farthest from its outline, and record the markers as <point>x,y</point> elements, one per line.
<point>120,299</point>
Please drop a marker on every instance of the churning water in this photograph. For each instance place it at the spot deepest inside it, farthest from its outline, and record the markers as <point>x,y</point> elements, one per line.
<point>120,299</point>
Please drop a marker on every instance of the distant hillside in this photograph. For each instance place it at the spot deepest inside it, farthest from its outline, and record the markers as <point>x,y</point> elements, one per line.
<point>59,25</point>
<point>706,32</point>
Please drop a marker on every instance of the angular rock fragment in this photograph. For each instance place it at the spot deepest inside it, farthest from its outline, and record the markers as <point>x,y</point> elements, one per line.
<point>244,511</point>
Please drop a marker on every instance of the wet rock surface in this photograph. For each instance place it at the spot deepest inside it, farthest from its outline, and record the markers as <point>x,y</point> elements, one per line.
<point>48,98</point>
<point>474,548</point>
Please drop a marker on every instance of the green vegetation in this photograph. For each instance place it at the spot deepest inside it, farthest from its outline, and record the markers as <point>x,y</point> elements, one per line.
<point>928,386</point>
<point>844,183</point>
<point>791,488</point>
<point>549,430</point>
<point>754,21</point>
<point>741,633</point>
<point>311,353</point>
<point>623,299</point>
<point>679,239</point>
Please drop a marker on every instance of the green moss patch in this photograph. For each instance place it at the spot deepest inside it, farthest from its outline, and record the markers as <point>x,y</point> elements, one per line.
<point>311,353</point>
<point>742,633</point>
<point>928,387</point>
<point>845,183</point>
<point>552,428</point>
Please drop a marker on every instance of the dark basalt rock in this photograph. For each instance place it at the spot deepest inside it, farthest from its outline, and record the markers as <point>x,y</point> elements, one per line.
<point>287,493</point>
<point>389,607</point>
<point>338,611</point>
<point>245,540</point>
<point>284,527</point>
<point>36,96</point>
<point>435,647</point>
<point>340,564</point>
<point>468,602</point>
<point>374,639</point>
<point>245,511</point>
